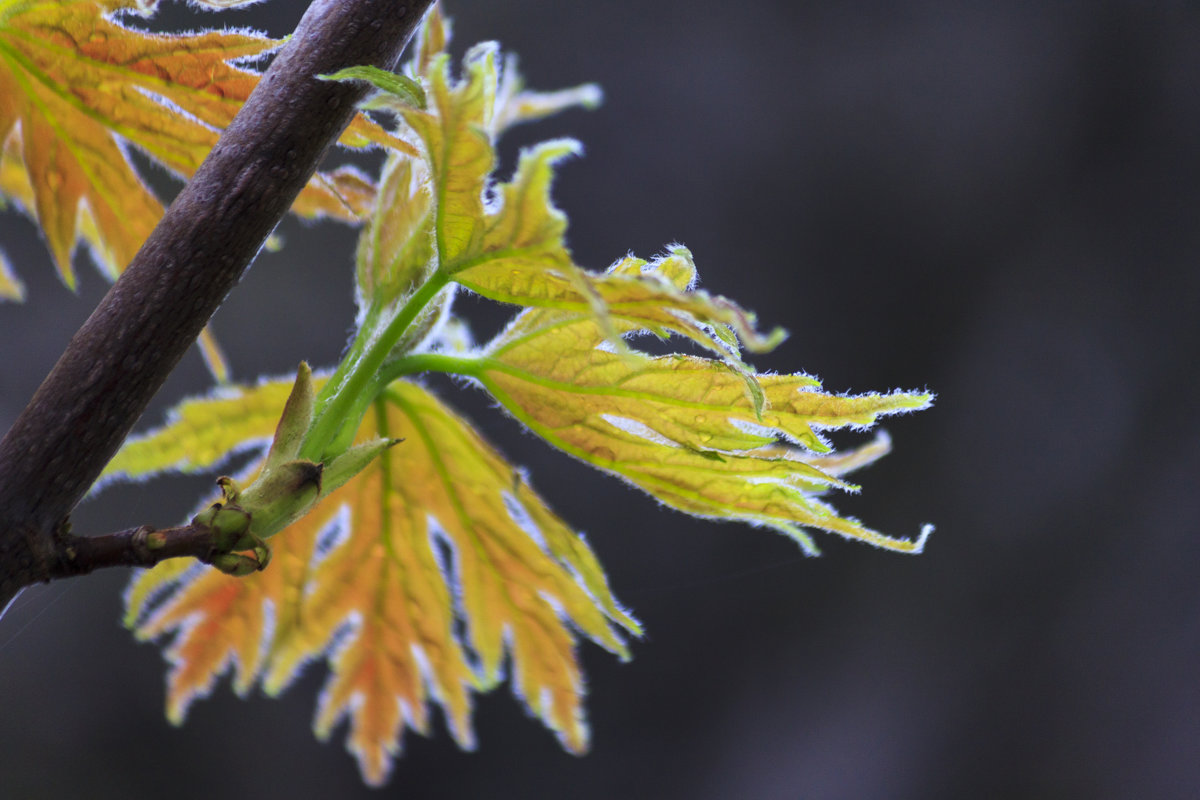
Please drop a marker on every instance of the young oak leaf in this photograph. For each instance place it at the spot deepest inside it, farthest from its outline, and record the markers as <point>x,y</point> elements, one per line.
<point>358,581</point>
<point>79,87</point>
<point>683,428</point>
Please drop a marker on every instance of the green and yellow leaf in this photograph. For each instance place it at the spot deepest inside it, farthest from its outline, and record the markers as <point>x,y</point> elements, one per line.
<point>203,433</point>
<point>80,88</point>
<point>430,213</point>
<point>396,245</point>
<point>456,145</point>
<point>524,260</point>
<point>515,104</point>
<point>373,580</point>
<point>514,249</point>
<point>430,41</point>
<point>686,429</point>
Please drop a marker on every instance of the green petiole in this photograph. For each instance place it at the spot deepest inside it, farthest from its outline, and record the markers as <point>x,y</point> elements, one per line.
<point>348,393</point>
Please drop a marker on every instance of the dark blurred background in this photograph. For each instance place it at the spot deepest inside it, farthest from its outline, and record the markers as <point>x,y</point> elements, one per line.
<point>995,201</point>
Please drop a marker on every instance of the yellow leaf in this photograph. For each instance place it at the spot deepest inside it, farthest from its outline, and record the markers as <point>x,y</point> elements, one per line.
<point>430,213</point>
<point>395,247</point>
<point>524,260</point>
<point>515,104</point>
<point>526,233</point>
<point>431,40</point>
<point>203,433</point>
<point>454,132</point>
<point>685,429</point>
<point>15,187</point>
<point>373,579</point>
<point>458,133</point>
<point>80,88</point>
<point>530,266</point>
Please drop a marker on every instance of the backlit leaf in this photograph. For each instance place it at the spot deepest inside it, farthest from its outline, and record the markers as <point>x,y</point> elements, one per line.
<point>403,91</point>
<point>525,261</point>
<point>437,569</point>
<point>396,246</point>
<point>372,580</point>
<point>203,433</point>
<point>80,87</point>
<point>16,188</point>
<point>685,429</point>
<point>516,104</point>
<point>527,232</point>
<point>513,250</point>
<point>432,213</point>
<point>456,145</point>
<point>430,41</point>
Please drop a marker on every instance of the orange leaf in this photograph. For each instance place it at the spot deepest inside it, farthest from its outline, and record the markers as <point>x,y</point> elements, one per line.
<point>77,88</point>
<point>439,528</point>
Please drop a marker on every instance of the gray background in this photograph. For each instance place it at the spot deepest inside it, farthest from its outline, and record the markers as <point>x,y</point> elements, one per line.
<point>996,201</point>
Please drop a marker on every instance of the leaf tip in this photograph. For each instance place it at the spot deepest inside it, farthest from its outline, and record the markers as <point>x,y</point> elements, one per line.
<point>801,537</point>
<point>589,96</point>
<point>919,544</point>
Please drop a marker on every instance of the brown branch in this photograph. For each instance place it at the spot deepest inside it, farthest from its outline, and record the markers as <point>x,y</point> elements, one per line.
<point>121,356</point>
<point>136,547</point>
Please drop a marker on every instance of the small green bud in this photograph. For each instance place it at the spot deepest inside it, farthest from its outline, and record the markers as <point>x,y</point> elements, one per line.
<point>228,523</point>
<point>237,564</point>
<point>229,488</point>
<point>294,422</point>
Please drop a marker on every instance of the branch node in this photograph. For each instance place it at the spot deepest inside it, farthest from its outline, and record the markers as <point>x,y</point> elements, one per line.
<point>145,541</point>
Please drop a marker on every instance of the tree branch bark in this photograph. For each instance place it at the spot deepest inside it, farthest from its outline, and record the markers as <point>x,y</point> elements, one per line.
<point>138,547</point>
<point>123,353</point>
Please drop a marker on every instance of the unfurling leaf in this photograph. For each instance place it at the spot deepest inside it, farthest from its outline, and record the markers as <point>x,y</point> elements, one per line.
<point>458,131</point>
<point>514,250</point>
<point>400,89</point>
<point>395,247</point>
<point>712,438</point>
<point>374,577</point>
<point>454,132</point>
